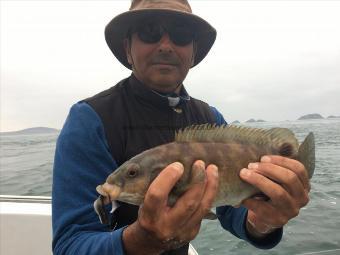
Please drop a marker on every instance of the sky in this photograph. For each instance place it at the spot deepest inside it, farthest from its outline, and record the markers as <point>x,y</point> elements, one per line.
<point>272,60</point>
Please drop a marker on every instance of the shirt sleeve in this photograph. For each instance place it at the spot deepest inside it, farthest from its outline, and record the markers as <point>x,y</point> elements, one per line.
<point>234,219</point>
<point>82,161</point>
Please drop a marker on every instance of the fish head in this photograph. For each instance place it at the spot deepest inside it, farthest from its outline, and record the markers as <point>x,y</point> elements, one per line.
<point>130,182</point>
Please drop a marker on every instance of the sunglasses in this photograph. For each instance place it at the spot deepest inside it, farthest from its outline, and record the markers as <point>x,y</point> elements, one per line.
<point>153,32</point>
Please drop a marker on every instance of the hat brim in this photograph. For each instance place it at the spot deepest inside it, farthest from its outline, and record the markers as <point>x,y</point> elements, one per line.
<point>116,31</point>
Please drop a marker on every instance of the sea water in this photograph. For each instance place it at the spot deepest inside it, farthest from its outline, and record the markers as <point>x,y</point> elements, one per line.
<point>26,163</point>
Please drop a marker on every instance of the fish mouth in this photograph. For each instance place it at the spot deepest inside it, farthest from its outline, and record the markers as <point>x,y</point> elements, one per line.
<point>109,190</point>
<point>108,193</point>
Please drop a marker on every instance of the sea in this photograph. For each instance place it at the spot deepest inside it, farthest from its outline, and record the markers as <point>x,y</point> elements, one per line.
<point>26,163</point>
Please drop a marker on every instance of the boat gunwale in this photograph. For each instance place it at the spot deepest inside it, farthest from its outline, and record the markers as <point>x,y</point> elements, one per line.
<point>25,199</point>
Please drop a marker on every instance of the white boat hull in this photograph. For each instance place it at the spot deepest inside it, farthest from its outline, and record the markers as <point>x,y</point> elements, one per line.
<point>26,226</point>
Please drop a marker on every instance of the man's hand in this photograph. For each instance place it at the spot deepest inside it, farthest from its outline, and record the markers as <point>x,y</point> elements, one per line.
<point>285,182</point>
<point>160,227</point>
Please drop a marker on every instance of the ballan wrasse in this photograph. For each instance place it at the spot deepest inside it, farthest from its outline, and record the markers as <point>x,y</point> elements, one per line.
<point>230,148</point>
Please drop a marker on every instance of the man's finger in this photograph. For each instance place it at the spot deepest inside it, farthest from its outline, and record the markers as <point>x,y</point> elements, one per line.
<point>281,175</point>
<point>209,196</point>
<point>293,165</point>
<point>274,191</point>
<point>157,194</point>
<point>211,189</point>
<point>188,203</point>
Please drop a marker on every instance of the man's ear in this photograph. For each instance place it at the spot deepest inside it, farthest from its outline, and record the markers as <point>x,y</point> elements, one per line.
<point>127,47</point>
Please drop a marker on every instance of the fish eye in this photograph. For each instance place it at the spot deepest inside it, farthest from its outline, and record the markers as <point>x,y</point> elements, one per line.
<point>132,171</point>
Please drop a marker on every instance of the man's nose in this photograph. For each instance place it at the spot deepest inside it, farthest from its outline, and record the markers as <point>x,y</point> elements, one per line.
<point>165,44</point>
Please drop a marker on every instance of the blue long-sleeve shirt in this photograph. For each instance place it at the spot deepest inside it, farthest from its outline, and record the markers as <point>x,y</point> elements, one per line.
<point>82,162</point>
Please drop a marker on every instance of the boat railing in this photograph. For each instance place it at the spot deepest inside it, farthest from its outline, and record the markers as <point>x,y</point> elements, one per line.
<point>25,199</point>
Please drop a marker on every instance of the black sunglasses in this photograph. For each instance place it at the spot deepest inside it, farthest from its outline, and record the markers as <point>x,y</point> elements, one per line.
<point>152,32</point>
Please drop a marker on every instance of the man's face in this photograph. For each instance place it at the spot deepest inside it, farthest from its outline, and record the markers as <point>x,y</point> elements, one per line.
<point>160,57</point>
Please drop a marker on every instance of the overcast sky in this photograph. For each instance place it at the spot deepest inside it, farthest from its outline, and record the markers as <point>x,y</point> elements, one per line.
<point>272,60</point>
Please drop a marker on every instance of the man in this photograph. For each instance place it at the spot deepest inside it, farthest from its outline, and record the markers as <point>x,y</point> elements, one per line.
<point>159,41</point>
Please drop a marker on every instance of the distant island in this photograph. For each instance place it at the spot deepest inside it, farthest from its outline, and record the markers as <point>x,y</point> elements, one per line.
<point>333,117</point>
<point>253,120</point>
<point>47,130</point>
<point>312,116</point>
<point>31,131</point>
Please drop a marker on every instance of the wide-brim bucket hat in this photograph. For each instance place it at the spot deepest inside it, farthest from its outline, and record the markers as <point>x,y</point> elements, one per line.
<point>179,10</point>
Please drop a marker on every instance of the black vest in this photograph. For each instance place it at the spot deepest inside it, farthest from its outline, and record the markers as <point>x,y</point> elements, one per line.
<point>135,119</point>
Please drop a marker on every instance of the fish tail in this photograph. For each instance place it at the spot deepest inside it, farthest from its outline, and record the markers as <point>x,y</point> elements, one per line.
<point>306,154</point>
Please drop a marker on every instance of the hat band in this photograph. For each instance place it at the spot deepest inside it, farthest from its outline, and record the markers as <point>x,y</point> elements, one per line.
<point>178,5</point>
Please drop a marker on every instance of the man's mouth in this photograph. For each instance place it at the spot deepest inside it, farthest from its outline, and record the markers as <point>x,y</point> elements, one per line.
<point>165,67</point>
<point>164,64</point>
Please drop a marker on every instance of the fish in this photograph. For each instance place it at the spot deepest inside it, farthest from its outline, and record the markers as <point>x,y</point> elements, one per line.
<point>230,147</point>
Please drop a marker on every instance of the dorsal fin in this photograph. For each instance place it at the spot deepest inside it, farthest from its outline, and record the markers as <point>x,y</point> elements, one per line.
<point>276,137</point>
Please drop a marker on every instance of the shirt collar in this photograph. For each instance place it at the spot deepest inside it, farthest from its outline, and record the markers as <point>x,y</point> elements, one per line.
<point>157,98</point>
